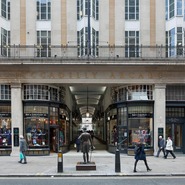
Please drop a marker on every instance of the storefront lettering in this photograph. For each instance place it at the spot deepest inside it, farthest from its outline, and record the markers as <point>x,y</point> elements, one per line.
<point>140,115</point>
<point>5,115</point>
<point>86,75</point>
<point>35,115</point>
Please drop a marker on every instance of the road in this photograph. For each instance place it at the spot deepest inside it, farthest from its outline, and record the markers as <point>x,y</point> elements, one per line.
<point>93,181</point>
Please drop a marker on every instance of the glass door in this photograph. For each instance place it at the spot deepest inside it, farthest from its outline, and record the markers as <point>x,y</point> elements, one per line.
<point>174,130</point>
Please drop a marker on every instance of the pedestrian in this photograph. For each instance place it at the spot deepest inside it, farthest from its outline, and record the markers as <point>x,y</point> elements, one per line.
<point>140,155</point>
<point>161,145</point>
<point>23,148</point>
<point>77,143</point>
<point>86,140</point>
<point>169,148</point>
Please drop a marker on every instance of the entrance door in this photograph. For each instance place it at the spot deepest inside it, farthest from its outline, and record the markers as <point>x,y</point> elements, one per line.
<point>175,131</point>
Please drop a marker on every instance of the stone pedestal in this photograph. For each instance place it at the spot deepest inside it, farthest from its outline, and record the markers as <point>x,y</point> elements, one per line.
<point>85,167</point>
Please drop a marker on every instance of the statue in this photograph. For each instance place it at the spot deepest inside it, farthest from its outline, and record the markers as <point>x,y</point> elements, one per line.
<point>86,141</point>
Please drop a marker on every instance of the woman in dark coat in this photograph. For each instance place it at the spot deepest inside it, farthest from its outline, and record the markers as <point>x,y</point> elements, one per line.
<point>140,155</point>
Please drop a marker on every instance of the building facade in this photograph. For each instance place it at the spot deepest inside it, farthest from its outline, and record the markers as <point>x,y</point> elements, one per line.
<point>133,47</point>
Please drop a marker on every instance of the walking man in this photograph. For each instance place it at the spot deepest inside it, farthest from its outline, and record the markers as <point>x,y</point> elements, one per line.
<point>161,145</point>
<point>23,148</point>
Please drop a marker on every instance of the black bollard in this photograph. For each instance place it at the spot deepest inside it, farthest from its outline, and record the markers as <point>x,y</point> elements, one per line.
<point>60,161</point>
<point>117,161</point>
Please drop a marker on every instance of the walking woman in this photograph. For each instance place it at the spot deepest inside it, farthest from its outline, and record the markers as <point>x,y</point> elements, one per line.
<point>169,148</point>
<point>140,155</point>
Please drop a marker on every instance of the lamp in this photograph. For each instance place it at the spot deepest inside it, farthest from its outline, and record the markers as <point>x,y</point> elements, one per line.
<point>87,113</point>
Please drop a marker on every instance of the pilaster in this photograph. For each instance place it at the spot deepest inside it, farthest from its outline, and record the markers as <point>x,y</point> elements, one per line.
<point>159,112</point>
<point>17,113</point>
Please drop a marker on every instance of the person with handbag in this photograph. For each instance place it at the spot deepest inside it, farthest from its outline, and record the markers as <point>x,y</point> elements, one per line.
<point>169,148</point>
<point>23,148</point>
<point>140,155</point>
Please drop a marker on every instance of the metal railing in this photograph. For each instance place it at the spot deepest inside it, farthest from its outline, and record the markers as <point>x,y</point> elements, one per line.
<point>96,52</point>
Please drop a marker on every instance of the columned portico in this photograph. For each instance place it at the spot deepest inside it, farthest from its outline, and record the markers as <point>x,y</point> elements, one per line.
<point>159,112</point>
<point>16,112</point>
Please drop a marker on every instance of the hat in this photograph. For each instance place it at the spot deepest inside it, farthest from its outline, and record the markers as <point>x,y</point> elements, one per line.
<point>160,137</point>
<point>21,136</point>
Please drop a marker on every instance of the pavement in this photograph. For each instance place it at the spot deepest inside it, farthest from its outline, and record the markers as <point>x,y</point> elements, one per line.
<point>47,166</point>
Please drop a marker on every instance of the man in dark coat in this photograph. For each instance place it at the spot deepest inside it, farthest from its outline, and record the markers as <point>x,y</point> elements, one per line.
<point>86,141</point>
<point>161,145</point>
<point>140,155</point>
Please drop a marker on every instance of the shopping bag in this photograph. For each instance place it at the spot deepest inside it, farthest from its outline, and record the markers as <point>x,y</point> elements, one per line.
<point>21,155</point>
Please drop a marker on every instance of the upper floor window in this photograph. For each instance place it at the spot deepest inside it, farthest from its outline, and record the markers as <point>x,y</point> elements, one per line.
<point>171,8</point>
<point>5,9</point>
<point>5,92</point>
<point>131,43</point>
<point>95,9</point>
<point>179,7</point>
<point>43,9</point>
<point>131,9</point>
<point>133,92</point>
<point>79,9</point>
<point>43,43</point>
<point>5,42</point>
<point>85,7</point>
<point>83,45</point>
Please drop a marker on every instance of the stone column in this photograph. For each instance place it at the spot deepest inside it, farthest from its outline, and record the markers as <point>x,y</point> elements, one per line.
<point>159,112</point>
<point>16,113</point>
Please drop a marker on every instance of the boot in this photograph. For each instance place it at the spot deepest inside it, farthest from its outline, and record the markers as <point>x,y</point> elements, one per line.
<point>147,167</point>
<point>135,164</point>
<point>20,161</point>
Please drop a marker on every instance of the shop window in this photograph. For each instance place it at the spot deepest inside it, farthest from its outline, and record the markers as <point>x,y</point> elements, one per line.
<point>140,125</point>
<point>36,126</point>
<point>140,131</point>
<point>5,126</point>
<point>54,116</point>
<point>5,132</point>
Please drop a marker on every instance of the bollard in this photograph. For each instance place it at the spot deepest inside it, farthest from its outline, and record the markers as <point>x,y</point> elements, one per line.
<point>117,161</point>
<point>60,161</point>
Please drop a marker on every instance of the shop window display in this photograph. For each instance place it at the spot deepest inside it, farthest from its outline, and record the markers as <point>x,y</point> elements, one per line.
<point>5,132</point>
<point>37,132</point>
<point>36,126</point>
<point>140,130</point>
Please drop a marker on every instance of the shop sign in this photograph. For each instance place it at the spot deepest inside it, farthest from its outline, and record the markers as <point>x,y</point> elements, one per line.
<point>35,115</point>
<point>5,115</point>
<point>175,120</point>
<point>140,115</point>
<point>16,136</point>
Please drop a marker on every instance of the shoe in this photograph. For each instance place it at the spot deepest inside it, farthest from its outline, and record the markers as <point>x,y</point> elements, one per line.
<point>149,169</point>
<point>134,171</point>
<point>24,163</point>
<point>174,157</point>
<point>19,161</point>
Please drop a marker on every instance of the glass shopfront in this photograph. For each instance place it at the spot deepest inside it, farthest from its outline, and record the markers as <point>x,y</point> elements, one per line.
<point>175,126</point>
<point>36,126</point>
<point>129,124</point>
<point>46,127</point>
<point>5,126</point>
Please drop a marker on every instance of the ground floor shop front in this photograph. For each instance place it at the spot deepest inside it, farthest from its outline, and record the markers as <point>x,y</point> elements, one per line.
<point>48,125</point>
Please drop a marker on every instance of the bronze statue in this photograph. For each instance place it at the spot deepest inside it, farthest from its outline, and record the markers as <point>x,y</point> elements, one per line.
<point>86,140</point>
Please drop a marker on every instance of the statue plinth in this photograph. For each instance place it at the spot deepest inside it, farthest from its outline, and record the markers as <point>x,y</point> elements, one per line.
<point>81,166</point>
